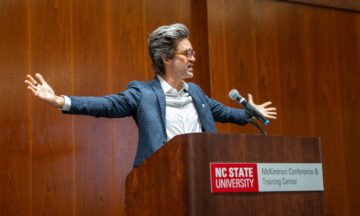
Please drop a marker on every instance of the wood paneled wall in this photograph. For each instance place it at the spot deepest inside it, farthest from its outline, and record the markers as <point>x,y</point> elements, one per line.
<point>304,58</point>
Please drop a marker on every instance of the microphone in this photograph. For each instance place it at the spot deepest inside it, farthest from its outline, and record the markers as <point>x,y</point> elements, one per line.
<point>234,95</point>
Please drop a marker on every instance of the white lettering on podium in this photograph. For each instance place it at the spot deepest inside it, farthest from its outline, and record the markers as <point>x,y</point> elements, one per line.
<point>220,172</point>
<point>234,183</point>
<point>241,172</point>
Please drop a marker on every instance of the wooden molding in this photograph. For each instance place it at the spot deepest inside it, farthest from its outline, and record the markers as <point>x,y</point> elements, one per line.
<point>353,5</point>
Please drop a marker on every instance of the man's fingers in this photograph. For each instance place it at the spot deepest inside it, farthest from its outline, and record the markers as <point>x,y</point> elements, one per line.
<point>250,98</point>
<point>31,84</point>
<point>32,80</point>
<point>270,109</point>
<point>271,117</point>
<point>40,78</point>
<point>271,113</point>
<point>266,104</point>
<point>33,90</point>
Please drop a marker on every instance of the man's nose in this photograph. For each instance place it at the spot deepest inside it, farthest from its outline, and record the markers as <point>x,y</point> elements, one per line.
<point>192,58</point>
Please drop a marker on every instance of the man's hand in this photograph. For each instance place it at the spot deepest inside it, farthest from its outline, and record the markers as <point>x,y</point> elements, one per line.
<point>268,112</point>
<point>43,91</point>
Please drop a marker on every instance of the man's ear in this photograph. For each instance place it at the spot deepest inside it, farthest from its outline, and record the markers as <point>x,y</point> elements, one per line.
<point>165,60</point>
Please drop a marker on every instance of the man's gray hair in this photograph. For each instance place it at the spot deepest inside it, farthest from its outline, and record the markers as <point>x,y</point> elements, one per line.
<point>163,42</point>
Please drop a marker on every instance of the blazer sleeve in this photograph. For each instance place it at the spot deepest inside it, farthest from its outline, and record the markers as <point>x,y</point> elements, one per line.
<point>111,106</point>
<point>225,114</point>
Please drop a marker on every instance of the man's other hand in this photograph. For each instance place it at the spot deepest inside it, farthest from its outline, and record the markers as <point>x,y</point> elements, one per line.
<point>39,87</point>
<point>268,112</point>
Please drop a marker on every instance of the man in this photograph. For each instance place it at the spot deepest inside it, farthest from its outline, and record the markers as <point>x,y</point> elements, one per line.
<point>162,108</point>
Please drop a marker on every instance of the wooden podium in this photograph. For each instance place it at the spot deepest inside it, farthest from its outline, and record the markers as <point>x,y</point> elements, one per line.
<point>176,179</point>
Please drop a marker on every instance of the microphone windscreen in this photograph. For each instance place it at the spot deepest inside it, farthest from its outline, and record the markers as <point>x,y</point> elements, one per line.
<point>233,94</point>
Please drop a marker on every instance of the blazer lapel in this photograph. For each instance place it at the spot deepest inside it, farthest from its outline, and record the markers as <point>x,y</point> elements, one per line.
<point>161,98</point>
<point>200,106</point>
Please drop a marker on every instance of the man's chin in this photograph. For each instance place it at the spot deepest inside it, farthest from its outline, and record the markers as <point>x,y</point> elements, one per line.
<point>189,75</point>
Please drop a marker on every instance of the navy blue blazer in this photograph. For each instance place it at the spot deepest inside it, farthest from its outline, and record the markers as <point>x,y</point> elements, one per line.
<point>145,102</point>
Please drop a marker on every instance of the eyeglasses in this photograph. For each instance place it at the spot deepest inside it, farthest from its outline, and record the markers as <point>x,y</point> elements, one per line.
<point>188,53</point>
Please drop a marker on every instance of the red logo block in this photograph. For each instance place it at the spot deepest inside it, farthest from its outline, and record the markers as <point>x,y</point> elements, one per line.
<point>233,177</point>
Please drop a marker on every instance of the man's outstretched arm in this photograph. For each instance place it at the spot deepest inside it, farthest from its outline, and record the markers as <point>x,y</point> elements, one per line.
<point>115,105</point>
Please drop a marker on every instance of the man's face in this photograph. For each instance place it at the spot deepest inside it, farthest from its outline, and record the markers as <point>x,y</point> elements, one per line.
<point>180,67</point>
